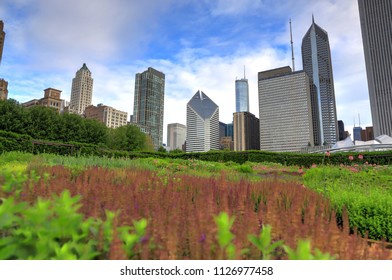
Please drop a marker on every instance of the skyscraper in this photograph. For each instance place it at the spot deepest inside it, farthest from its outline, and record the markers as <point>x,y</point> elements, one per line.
<point>202,124</point>
<point>317,64</point>
<point>246,131</point>
<point>285,111</point>
<point>2,37</point>
<point>176,136</point>
<point>82,91</point>
<point>376,18</point>
<point>149,103</point>
<point>3,89</point>
<point>241,95</point>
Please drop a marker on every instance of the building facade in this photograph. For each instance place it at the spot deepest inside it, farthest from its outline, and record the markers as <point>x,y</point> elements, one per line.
<point>376,18</point>
<point>3,89</point>
<point>242,95</point>
<point>149,103</point>
<point>286,122</point>
<point>52,99</point>
<point>176,136</point>
<point>202,124</point>
<point>246,131</point>
<point>109,116</point>
<point>82,91</point>
<point>341,130</point>
<point>317,64</point>
<point>2,39</point>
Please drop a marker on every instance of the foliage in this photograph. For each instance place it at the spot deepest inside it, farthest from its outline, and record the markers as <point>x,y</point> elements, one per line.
<point>304,252</point>
<point>132,236</point>
<point>364,191</point>
<point>263,242</point>
<point>225,236</point>
<point>50,229</point>
<point>127,138</point>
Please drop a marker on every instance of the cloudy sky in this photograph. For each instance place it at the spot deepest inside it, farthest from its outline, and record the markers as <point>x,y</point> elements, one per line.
<point>198,44</point>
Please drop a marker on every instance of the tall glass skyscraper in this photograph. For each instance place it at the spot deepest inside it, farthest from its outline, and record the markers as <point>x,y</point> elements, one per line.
<point>376,18</point>
<point>316,60</point>
<point>149,103</point>
<point>241,95</point>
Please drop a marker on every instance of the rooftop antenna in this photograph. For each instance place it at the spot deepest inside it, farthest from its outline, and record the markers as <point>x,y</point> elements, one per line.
<point>359,119</point>
<point>244,73</point>
<point>292,47</point>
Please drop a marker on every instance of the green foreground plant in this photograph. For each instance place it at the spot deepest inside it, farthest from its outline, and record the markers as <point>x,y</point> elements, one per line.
<point>54,230</point>
<point>264,243</point>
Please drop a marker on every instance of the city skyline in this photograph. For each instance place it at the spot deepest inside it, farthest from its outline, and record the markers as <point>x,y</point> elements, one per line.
<point>43,51</point>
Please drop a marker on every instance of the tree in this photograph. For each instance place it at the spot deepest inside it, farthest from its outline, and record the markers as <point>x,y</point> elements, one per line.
<point>127,138</point>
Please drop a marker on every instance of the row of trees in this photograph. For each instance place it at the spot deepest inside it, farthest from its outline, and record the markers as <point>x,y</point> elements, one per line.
<point>43,123</point>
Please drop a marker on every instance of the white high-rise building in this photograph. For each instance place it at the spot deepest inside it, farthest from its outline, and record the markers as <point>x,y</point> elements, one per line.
<point>82,91</point>
<point>176,136</point>
<point>285,110</point>
<point>202,124</point>
<point>376,26</point>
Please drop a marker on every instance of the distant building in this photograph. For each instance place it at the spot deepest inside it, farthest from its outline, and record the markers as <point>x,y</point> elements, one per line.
<point>202,124</point>
<point>82,91</point>
<point>3,89</point>
<point>148,103</point>
<point>376,18</point>
<point>246,131</point>
<point>222,130</point>
<point>52,99</point>
<point>242,95</point>
<point>357,131</point>
<point>230,131</point>
<point>341,130</point>
<point>226,143</point>
<point>176,136</point>
<point>286,122</point>
<point>2,38</point>
<point>109,116</point>
<point>317,64</point>
<point>367,134</point>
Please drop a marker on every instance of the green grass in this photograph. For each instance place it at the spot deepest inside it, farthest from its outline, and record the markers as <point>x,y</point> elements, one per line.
<point>364,191</point>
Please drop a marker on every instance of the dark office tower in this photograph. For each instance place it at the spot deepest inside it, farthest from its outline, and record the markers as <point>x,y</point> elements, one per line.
<point>149,103</point>
<point>376,25</point>
<point>316,60</point>
<point>341,130</point>
<point>2,36</point>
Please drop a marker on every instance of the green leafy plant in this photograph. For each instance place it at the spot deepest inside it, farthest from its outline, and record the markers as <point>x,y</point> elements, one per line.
<point>225,236</point>
<point>132,236</point>
<point>304,252</point>
<point>51,229</point>
<point>263,242</point>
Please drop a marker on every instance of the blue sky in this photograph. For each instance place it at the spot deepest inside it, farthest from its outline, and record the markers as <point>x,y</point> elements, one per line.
<point>197,44</point>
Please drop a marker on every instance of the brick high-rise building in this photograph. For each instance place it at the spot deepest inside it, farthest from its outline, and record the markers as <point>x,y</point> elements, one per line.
<point>3,89</point>
<point>246,131</point>
<point>82,91</point>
